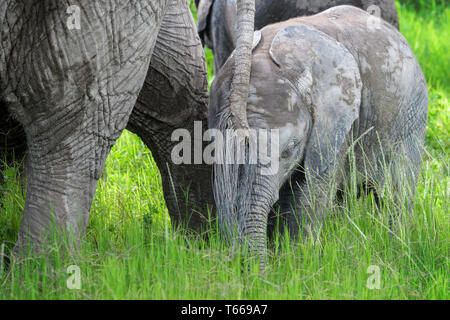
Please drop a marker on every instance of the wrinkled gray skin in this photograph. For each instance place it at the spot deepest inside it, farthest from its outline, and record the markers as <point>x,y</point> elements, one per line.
<point>216,18</point>
<point>325,81</point>
<point>67,95</point>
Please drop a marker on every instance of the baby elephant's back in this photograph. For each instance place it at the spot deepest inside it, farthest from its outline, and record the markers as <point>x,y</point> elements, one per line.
<point>394,97</point>
<point>268,12</point>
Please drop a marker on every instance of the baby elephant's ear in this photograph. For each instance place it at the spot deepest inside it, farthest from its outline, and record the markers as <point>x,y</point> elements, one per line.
<point>326,76</point>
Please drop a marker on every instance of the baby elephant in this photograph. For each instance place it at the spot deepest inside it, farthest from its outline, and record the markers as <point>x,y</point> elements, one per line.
<point>326,83</point>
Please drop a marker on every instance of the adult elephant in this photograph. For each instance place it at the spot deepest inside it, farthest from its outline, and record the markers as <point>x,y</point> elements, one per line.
<point>216,18</point>
<point>320,86</point>
<point>73,78</point>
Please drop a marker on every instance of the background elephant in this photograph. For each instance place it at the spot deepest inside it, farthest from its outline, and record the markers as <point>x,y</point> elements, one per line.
<point>216,18</point>
<point>70,92</point>
<point>324,82</point>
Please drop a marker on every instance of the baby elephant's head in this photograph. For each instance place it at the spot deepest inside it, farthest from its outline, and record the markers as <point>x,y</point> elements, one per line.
<point>304,97</point>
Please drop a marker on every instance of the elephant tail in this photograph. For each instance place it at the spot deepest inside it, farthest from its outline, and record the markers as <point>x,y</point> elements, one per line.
<point>234,173</point>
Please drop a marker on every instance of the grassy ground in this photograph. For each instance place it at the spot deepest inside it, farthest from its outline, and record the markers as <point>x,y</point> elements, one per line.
<point>130,250</point>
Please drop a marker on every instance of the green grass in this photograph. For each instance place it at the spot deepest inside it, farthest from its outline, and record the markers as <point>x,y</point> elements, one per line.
<point>428,33</point>
<point>131,252</point>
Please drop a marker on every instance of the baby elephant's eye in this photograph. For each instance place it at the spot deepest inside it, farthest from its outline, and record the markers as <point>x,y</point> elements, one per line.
<point>290,149</point>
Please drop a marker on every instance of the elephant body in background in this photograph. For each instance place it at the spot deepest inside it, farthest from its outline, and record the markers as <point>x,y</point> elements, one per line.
<point>216,18</point>
<point>328,84</point>
<point>66,95</point>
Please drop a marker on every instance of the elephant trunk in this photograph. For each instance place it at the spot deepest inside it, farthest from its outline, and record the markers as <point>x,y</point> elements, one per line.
<point>255,221</point>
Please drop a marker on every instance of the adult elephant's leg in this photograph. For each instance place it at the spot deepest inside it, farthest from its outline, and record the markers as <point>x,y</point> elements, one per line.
<point>174,96</point>
<point>73,91</point>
